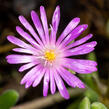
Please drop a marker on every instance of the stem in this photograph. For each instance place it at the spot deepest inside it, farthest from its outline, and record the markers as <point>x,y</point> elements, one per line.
<point>50,100</point>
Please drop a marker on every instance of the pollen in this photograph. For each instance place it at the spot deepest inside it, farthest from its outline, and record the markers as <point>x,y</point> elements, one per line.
<point>50,55</point>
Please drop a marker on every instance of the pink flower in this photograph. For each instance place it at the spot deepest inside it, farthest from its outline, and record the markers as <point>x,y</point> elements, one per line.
<point>50,58</point>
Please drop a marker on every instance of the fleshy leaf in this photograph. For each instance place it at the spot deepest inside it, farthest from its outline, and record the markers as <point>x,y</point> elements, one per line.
<point>87,79</point>
<point>92,95</point>
<point>8,99</point>
<point>85,103</point>
<point>98,105</point>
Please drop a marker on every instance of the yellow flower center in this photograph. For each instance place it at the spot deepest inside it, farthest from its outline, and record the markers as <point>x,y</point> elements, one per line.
<point>50,55</point>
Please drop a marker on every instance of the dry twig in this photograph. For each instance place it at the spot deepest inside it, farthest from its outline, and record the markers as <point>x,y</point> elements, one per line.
<point>50,100</point>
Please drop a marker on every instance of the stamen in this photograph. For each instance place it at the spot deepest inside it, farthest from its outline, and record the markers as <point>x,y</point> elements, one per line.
<point>50,55</point>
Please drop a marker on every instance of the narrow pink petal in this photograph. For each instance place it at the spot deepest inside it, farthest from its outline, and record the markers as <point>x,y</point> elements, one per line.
<point>29,28</point>
<point>39,77</point>
<point>38,25</point>
<point>66,77</point>
<point>27,66</point>
<point>62,89</point>
<point>68,29</point>
<point>80,41</point>
<point>86,62</point>
<point>52,36</point>
<point>74,34</point>
<point>44,22</point>
<point>71,79</point>
<point>56,20</point>
<point>81,66</point>
<point>22,44</point>
<point>33,77</point>
<point>30,74</point>
<point>29,51</point>
<point>82,49</point>
<point>52,82</point>
<point>80,52</point>
<point>17,59</point>
<point>26,36</point>
<point>17,41</point>
<point>46,83</point>
<point>28,84</point>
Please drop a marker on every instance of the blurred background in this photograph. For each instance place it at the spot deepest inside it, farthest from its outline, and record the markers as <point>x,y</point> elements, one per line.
<point>95,13</point>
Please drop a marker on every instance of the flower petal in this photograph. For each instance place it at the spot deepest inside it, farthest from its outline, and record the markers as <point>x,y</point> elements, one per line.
<point>38,25</point>
<point>80,41</point>
<point>52,36</point>
<point>17,41</point>
<point>81,66</point>
<point>29,28</point>
<point>27,66</point>
<point>74,34</point>
<point>38,78</point>
<point>62,89</point>
<point>73,23</point>
<point>26,36</point>
<point>44,22</point>
<point>22,44</point>
<point>32,78</point>
<point>52,82</point>
<point>30,74</point>
<point>17,59</point>
<point>46,83</point>
<point>56,20</point>
<point>86,62</point>
<point>29,51</point>
<point>71,79</point>
<point>82,49</point>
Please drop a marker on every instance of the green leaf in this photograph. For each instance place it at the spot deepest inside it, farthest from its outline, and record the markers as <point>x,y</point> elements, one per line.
<point>8,99</point>
<point>91,56</point>
<point>98,105</point>
<point>87,78</point>
<point>92,95</point>
<point>71,71</point>
<point>85,103</point>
